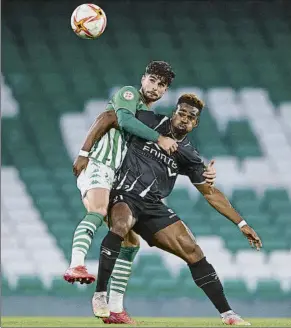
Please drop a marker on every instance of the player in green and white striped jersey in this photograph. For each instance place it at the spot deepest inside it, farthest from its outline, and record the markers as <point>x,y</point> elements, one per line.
<point>98,160</point>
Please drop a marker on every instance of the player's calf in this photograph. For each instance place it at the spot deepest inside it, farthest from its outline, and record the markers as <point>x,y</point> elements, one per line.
<point>206,278</point>
<point>179,240</point>
<point>120,277</point>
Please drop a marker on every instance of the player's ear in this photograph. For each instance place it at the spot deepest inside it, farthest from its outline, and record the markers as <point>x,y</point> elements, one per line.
<point>142,78</point>
<point>196,123</point>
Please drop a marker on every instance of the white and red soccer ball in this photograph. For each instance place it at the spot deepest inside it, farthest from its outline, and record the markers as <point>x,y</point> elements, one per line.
<point>88,21</point>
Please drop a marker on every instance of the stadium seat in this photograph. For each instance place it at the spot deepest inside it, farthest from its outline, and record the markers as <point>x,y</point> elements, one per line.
<point>30,286</point>
<point>269,290</point>
<point>236,289</point>
<point>60,287</point>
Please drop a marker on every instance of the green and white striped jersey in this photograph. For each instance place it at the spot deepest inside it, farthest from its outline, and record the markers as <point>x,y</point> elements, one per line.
<point>111,149</point>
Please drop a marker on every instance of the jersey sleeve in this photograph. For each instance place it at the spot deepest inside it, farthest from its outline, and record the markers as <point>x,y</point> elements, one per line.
<point>126,98</point>
<point>192,165</point>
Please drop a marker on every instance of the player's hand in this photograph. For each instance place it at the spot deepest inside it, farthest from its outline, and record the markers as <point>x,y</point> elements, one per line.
<point>80,164</point>
<point>167,144</point>
<point>252,237</point>
<point>210,173</point>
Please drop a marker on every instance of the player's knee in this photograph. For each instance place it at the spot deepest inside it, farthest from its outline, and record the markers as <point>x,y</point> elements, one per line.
<point>121,227</point>
<point>195,255</point>
<point>100,209</point>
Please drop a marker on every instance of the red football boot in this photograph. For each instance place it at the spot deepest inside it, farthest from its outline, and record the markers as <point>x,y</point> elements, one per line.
<point>121,317</point>
<point>79,274</point>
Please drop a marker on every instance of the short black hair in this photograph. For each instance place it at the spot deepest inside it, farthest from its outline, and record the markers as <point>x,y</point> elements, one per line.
<point>161,69</point>
<point>191,100</point>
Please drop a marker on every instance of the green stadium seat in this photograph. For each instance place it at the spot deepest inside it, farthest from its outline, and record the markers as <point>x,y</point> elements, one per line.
<point>250,206</point>
<point>236,244</point>
<point>188,288</point>
<point>146,260</point>
<point>283,219</point>
<point>61,288</point>
<point>247,194</point>
<point>36,174</point>
<point>163,287</point>
<point>269,290</point>
<point>201,230</point>
<point>46,204</point>
<point>6,289</point>
<point>278,207</point>
<point>236,289</point>
<point>156,271</point>
<point>30,286</point>
<point>275,244</point>
<point>271,195</point>
<point>138,287</point>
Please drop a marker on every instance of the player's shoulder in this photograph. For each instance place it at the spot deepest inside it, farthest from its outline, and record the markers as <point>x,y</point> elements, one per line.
<point>148,116</point>
<point>128,92</point>
<point>189,149</point>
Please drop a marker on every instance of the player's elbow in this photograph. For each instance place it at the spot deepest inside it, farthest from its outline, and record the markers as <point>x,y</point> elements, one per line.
<point>209,197</point>
<point>110,117</point>
<point>123,119</point>
<point>206,189</point>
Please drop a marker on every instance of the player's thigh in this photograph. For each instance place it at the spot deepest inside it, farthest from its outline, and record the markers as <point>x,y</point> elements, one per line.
<point>121,219</point>
<point>94,184</point>
<point>97,200</point>
<point>131,240</point>
<point>178,240</point>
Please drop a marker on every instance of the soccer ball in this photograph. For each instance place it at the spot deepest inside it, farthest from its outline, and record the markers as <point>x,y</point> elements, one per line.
<point>88,21</point>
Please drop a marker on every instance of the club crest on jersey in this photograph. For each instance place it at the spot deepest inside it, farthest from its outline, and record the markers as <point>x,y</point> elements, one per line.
<point>128,95</point>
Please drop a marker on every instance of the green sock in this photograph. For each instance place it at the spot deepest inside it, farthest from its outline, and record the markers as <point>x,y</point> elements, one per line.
<point>83,236</point>
<point>119,278</point>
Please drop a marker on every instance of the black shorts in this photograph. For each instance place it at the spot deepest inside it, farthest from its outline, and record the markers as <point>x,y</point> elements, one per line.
<point>150,217</point>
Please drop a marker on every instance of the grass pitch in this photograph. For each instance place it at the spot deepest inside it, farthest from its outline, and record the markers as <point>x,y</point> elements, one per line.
<point>141,322</point>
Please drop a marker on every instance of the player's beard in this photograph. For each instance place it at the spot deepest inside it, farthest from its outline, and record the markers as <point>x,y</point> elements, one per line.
<point>181,129</point>
<point>149,97</point>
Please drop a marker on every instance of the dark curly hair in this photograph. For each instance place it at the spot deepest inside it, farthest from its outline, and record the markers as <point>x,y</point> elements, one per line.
<point>161,69</point>
<point>191,100</point>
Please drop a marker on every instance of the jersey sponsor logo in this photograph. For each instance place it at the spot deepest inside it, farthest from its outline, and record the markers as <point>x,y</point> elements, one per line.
<point>171,174</point>
<point>105,251</point>
<point>159,155</point>
<point>128,95</point>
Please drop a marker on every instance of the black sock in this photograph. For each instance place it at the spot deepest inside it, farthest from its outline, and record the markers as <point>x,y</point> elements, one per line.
<point>206,278</point>
<point>109,251</point>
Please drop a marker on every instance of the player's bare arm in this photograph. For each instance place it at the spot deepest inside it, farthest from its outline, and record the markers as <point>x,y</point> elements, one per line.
<point>218,200</point>
<point>103,123</point>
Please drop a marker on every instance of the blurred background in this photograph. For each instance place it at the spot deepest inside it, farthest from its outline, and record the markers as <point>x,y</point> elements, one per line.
<point>236,56</point>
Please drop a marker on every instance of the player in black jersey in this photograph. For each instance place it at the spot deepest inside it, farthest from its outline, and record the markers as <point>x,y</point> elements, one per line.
<point>146,176</point>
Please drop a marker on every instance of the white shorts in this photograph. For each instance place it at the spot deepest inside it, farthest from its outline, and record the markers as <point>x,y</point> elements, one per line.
<point>96,175</point>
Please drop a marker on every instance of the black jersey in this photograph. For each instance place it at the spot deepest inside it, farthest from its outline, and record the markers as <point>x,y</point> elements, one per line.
<point>150,172</point>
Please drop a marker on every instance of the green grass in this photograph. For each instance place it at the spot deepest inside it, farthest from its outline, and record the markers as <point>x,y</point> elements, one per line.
<point>142,322</point>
